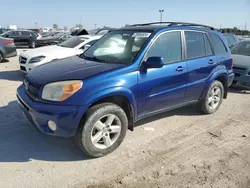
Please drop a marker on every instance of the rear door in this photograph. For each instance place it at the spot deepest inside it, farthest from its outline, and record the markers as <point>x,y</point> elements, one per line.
<point>200,63</point>
<point>26,37</point>
<point>221,51</point>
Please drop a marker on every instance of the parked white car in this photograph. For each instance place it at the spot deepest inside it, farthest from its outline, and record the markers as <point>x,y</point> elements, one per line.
<point>39,56</point>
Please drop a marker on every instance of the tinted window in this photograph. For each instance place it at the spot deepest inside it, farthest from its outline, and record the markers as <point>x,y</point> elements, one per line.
<point>72,42</point>
<point>208,46</point>
<point>168,46</point>
<point>25,33</point>
<point>218,45</point>
<point>242,48</point>
<point>230,40</point>
<point>195,44</point>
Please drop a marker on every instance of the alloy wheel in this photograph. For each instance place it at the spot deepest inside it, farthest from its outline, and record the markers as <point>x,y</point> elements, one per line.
<point>106,131</point>
<point>214,97</point>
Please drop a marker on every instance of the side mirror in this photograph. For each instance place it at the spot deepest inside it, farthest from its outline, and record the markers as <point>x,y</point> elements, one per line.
<point>79,51</point>
<point>154,62</point>
<point>86,47</point>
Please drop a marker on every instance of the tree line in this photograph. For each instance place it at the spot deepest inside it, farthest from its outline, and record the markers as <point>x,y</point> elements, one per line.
<point>235,31</point>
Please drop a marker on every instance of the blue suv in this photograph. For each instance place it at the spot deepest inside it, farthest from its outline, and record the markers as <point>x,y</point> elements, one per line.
<point>129,74</point>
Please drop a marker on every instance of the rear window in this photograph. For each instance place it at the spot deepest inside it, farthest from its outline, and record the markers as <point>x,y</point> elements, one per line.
<point>218,45</point>
<point>25,33</point>
<point>72,42</point>
<point>242,48</point>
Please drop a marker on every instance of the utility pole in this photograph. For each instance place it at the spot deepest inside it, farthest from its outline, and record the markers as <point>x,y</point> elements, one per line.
<point>36,24</point>
<point>161,11</point>
<point>246,26</point>
<point>95,26</point>
<point>81,20</point>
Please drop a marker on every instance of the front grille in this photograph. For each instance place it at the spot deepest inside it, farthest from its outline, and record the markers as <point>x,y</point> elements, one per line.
<point>31,89</point>
<point>22,60</point>
<point>22,68</point>
<point>237,74</point>
<point>239,68</point>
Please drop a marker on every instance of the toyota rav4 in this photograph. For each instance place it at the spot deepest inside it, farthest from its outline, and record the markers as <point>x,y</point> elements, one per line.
<point>129,74</point>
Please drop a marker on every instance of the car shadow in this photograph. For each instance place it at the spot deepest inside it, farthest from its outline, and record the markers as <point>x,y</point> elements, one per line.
<point>14,75</point>
<point>238,90</point>
<point>20,141</point>
<point>5,61</point>
<point>190,110</point>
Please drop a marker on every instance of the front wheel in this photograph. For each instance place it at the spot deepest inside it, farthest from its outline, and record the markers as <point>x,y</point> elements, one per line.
<point>102,130</point>
<point>1,57</point>
<point>213,99</point>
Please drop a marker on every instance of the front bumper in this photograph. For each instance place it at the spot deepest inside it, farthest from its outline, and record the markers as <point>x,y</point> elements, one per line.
<point>67,118</point>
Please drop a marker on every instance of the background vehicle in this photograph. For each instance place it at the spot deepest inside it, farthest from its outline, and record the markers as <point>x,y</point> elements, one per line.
<point>78,32</point>
<point>241,56</point>
<point>231,39</point>
<point>3,30</point>
<point>7,48</point>
<point>39,56</point>
<point>96,97</point>
<point>22,37</point>
<point>51,40</point>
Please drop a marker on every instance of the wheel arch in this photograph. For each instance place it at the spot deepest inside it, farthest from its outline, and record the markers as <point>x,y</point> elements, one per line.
<point>121,97</point>
<point>220,76</point>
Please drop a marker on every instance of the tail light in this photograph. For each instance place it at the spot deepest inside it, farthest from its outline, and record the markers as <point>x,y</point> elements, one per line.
<point>8,42</point>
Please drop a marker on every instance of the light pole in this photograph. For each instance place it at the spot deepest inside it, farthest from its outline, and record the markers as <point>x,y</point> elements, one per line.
<point>95,26</point>
<point>161,11</point>
<point>36,24</point>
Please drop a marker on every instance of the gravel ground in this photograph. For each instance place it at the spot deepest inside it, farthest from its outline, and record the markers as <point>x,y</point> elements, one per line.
<point>181,148</point>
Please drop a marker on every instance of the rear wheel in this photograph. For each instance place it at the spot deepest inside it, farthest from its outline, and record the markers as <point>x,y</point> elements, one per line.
<point>1,57</point>
<point>102,130</point>
<point>32,44</point>
<point>213,99</point>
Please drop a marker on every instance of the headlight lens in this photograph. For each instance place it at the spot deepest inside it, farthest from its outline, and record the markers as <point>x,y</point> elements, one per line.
<point>37,59</point>
<point>60,91</point>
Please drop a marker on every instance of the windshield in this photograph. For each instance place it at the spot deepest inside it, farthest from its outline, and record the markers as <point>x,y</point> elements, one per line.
<point>6,32</point>
<point>230,40</point>
<point>72,42</point>
<point>243,48</point>
<point>58,35</point>
<point>117,46</point>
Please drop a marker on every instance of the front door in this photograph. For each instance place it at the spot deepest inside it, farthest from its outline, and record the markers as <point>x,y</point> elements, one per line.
<point>25,38</point>
<point>163,88</point>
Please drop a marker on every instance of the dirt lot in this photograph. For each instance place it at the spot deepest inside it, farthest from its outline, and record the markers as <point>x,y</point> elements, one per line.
<point>181,148</point>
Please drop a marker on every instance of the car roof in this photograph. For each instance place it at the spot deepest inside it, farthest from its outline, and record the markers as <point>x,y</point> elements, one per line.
<point>170,26</point>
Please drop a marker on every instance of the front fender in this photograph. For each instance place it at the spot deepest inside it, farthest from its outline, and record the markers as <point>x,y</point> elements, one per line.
<point>212,78</point>
<point>113,91</point>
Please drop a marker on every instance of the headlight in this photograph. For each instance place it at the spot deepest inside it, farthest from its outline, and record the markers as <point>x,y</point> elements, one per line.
<point>60,91</point>
<point>36,59</point>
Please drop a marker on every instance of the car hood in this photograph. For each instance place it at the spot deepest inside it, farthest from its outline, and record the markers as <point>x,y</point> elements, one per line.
<point>73,68</point>
<point>48,51</point>
<point>241,60</point>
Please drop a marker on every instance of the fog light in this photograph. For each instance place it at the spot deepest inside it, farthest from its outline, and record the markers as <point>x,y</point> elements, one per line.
<point>52,125</point>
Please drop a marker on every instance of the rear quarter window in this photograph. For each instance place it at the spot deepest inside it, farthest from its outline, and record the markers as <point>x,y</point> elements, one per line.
<point>218,45</point>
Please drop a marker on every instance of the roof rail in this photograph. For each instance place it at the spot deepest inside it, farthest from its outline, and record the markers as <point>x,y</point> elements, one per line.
<point>177,24</point>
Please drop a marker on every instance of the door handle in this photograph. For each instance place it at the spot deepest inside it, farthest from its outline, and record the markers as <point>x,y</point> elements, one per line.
<point>180,69</point>
<point>211,62</point>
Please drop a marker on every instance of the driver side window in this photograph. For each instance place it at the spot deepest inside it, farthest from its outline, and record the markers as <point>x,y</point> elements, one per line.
<point>168,46</point>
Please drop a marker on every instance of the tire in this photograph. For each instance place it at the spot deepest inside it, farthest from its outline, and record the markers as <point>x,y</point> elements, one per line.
<point>213,99</point>
<point>87,131</point>
<point>1,57</point>
<point>32,44</point>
